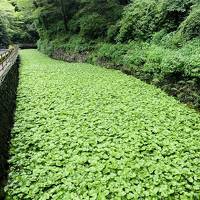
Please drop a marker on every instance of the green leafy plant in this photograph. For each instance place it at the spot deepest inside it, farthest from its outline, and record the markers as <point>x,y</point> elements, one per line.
<point>84,132</point>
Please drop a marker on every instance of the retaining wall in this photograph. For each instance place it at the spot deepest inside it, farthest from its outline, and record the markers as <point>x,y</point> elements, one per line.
<point>8,91</point>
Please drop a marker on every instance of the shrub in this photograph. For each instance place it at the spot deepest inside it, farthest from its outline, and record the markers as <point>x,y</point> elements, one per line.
<point>185,60</point>
<point>45,46</point>
<point>174,13</point>
<point>93,26</point>
<point>142,18</point>
<point>190,28</point>
<point>136,54</point>
<point>139,20</point>
<point>112,33</point>
<point>158,36</point>
<point>158,60</point>
<point>191,53</point>
<point>155,55</point>
<point>77,44</point>
<point>110,53</point>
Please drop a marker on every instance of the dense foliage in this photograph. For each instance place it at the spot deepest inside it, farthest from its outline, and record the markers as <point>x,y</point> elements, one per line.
<point>3,36</point>
<point>143,18</point>
<point>89,19</point>
<point>153,39</point>
<point>166,33</point>
<point>113,21</point>
<point>17,22</point>
<point>84,132</point>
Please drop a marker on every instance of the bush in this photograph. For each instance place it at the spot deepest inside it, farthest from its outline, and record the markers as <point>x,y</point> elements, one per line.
<point>164,61</point>
<point>158,36</point>
<point>142,18</point>
<point>110,53</point>
<point>150,58</point>
<point>136,54</point>
<point>93,26</point>
<point>155,55</point>
<point>190,28</point>
<point>73,44</point>
<point>112,33</point>
<point>77,44</point>
<point>184,60</point>
<point>139,20</point>
<point>45,46</point>
<point>174,12</point>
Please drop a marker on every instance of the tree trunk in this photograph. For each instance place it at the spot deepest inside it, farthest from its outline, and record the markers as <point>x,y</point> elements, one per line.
<point>63,14</point>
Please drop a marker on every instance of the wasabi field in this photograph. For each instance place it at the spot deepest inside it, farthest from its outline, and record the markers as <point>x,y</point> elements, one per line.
<point>86,132</point>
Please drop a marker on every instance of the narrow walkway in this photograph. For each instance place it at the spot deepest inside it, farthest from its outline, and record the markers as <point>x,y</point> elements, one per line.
<point>85,132</point>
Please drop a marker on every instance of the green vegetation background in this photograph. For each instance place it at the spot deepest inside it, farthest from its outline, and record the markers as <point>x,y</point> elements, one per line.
<point>155,40</point>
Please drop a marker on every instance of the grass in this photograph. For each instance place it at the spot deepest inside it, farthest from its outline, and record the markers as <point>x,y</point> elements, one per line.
<point>85,132</point>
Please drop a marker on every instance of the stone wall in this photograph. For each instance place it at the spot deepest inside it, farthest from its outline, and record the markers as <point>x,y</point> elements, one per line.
<point>8,91</point>
<point>69,57</point>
